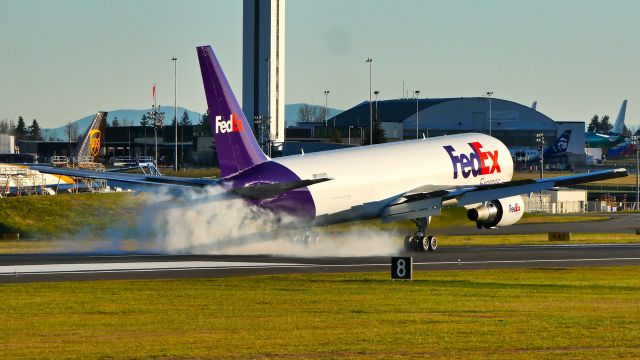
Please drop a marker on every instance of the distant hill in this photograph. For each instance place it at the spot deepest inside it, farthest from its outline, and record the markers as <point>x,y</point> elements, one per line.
<point>125,117</point>
<point>291,113</point>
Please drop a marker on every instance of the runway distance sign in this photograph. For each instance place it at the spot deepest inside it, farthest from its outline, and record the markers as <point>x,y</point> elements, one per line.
<point>401,268</point>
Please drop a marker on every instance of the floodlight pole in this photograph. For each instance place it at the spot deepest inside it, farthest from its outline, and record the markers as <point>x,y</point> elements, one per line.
<point>417,92</point>
<point>175,108</point>
<point>370,61</point>
<point>489,93</point>
<point>540,141</point>
<point>636,141</point>
<point>376,111</point>
<point>350,127</point>
<point>326,109</point>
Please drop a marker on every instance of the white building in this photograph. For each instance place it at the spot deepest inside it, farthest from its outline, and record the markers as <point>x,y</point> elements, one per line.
<point>7,144</point>
<point>557,201</point>
<point>263,64</point>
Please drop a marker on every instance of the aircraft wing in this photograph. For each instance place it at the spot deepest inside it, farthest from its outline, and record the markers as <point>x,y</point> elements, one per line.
<point>127,178</point>
<point>426,201</point>
<point>252,192</point>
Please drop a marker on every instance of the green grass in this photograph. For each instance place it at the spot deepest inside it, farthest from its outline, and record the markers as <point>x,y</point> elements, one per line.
<point>52,216</point>
<point>186,172</point>
<point>84,218</point>
<point>535,313</point>
<point>534,239</point>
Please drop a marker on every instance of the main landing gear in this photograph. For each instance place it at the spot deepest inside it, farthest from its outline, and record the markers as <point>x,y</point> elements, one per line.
<point>418,241</point>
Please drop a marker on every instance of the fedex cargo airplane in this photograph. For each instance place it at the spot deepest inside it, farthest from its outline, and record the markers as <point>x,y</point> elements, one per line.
<point>395,181</point>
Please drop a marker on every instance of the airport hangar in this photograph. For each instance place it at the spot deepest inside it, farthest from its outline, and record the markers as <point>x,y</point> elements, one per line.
<point>514,124</point>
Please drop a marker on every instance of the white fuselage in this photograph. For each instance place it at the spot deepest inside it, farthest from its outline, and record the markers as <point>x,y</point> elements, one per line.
<point>372,174</point>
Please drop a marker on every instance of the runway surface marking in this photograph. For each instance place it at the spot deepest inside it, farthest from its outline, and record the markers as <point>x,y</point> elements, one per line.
<point>80,268</point>
<point>135,266</point>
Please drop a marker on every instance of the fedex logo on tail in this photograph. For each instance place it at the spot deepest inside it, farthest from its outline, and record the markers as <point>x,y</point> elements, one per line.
<point>478,162</point>
<point>226,126</point>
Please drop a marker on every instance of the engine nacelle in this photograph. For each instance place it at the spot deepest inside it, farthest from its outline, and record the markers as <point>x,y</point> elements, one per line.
<point>498,213</point>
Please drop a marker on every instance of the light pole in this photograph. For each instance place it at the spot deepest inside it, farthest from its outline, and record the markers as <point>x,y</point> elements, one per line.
<point>175,107</point>
<point>350,127</point>
<point>540,142</point>
<point>326,109</point>
<point>489,93</point>
<point>376,94</point>
<point>370,61</point>
<point>636,142</point>
<point>417,92</point>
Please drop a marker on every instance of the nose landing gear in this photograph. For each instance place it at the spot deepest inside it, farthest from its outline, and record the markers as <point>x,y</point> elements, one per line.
<point>418,241</point>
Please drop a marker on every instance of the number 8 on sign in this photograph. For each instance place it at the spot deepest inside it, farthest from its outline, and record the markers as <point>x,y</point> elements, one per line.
<point>401,268</point>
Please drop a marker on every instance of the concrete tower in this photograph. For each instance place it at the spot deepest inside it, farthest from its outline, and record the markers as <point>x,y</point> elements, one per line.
<point>263,65</point>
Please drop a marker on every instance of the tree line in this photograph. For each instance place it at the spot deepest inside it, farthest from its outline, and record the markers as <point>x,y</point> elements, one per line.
<point>602,125</point>
<point>20,130</point>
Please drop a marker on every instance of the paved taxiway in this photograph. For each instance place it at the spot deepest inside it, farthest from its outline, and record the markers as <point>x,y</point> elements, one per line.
<point>68,267</point>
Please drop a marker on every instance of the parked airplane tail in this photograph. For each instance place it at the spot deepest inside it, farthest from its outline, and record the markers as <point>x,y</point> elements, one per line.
<point>560,146</point>
<point>618,126</point>
<point>236,146</point>
<point>92,139</point>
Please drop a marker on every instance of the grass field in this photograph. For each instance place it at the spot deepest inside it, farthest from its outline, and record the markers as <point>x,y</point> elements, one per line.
<point>53,216</point>
<point>83,219</point>
<point>503,314</point>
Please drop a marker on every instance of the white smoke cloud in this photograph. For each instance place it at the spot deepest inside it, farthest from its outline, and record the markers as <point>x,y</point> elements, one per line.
<point>210,222</point>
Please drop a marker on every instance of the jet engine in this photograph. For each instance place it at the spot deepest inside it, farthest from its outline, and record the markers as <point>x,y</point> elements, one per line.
<point>497,213</point>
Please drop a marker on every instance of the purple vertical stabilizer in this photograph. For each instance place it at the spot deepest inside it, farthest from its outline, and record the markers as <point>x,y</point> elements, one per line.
<point>236,147</point>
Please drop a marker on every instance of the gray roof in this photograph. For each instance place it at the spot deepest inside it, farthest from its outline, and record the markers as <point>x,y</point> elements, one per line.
<point>395,110</point>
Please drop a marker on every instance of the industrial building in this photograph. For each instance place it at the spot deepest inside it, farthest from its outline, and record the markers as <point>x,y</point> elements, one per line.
<point>514,124</point>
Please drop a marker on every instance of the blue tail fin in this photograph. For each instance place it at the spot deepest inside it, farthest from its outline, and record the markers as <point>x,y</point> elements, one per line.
<point>560,146</point>
<point>236,147</point>
<point>618,126</point>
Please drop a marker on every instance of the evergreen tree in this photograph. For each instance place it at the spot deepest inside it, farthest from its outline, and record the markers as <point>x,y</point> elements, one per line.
<point>204,127</point>
<point>34,131</point>
<point>144,121</point>
<point>21,129</point>
<point>115,122</point>
<point>594,125</point>
<point>605,125</point>
<point>379,136</point>
<point>336,137</point>
<point>626,132</point>
<point>184,120</point>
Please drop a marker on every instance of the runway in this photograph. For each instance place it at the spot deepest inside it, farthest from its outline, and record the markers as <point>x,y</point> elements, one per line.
<point>73,267</point>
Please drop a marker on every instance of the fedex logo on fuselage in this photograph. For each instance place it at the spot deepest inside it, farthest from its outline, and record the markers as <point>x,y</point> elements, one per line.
<point>226,126</point>
<point>478,162</point>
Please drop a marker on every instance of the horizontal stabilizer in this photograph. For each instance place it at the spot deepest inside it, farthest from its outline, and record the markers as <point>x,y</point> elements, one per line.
<point>267,191</point>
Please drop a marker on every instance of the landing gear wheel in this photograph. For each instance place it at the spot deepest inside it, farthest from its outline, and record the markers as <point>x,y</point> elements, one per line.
<point>408,243</point>
<point>423,244</point>
<point>432,243</point>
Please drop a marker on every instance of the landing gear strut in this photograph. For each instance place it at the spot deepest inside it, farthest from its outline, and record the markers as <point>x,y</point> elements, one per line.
<point>418,241</point>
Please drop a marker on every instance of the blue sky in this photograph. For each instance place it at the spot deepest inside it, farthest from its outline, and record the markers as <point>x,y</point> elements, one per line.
<point>65,59</point>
